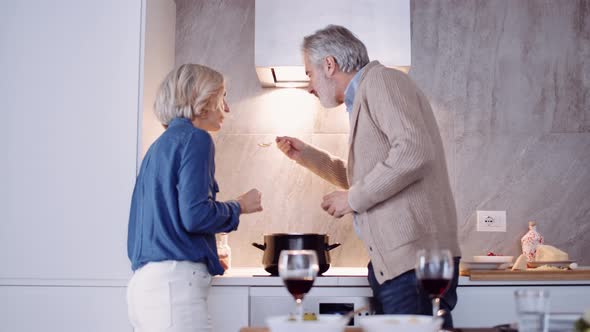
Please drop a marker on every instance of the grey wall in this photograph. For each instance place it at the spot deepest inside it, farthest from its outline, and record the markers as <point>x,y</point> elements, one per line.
<point>509,83</point>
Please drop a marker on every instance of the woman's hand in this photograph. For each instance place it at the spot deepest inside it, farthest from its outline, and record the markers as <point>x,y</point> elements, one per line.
<point>223,262</point>
<point>251,201</point>
<point>291,147</point>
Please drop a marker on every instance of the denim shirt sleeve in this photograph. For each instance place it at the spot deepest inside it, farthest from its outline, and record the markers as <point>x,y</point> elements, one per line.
<point>199,211</point>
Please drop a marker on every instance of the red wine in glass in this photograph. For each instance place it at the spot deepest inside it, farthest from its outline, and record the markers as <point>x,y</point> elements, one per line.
<point>434,271</point>
<point>298,269</point>
<point>435,287</point>
<point>298,287</point>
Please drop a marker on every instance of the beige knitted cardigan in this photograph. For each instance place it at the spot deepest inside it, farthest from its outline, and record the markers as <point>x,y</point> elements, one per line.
<point>396,176</point>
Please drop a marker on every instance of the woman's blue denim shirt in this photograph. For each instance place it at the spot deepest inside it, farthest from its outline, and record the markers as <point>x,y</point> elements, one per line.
<point>174,214</point>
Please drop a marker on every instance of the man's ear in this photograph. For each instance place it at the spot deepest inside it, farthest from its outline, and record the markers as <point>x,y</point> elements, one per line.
<point>330,66</point>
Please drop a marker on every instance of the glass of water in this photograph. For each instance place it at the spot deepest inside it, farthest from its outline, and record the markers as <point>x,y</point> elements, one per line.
<point>532,310</point>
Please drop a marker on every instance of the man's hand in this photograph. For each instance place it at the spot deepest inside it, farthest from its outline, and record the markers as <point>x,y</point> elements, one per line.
<point>336,204</point>
<point>291,147</point>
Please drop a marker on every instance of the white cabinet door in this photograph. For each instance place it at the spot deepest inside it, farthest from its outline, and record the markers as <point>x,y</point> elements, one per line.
<point>63,309</point>
<point>490,306</point>
<point>70,95</point>
<point>70,100</point>
<point>228,307</point>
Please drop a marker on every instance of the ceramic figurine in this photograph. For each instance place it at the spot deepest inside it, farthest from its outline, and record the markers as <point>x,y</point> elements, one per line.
<point>530,241</point>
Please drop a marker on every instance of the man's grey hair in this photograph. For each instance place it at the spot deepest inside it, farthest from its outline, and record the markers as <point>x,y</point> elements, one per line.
<point>337,41</point>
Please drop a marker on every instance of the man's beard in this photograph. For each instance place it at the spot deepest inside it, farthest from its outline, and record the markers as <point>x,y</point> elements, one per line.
<point>326,91</point>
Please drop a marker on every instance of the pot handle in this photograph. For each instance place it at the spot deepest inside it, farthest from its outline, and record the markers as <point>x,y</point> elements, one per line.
<point>259,246</point>
<point>332,246</point>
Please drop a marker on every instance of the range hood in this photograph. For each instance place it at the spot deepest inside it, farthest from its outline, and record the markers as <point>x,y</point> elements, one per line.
<point>280,25</point>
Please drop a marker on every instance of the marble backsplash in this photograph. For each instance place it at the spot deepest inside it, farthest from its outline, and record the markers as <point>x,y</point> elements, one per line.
<point>509,83</point>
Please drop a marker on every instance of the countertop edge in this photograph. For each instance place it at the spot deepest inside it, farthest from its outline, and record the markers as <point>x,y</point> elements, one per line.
<point>257,277</point>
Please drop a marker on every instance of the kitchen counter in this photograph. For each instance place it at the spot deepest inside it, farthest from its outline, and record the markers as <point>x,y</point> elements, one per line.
<point>351,277</point>
<point>256,276</point>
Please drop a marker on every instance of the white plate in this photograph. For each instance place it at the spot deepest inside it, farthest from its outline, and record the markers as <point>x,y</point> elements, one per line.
<point>493,259</point>
<point>483,265</point>
<point>324,323</point>
<point>400,323</point>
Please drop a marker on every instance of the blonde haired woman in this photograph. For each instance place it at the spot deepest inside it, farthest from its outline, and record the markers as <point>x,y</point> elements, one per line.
<point>174,214</point>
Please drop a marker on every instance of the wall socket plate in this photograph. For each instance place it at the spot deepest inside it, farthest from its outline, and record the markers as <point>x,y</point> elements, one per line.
<point>491,221</point>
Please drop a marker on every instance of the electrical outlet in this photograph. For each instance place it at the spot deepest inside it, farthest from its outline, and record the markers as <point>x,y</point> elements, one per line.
<point>491,221</point>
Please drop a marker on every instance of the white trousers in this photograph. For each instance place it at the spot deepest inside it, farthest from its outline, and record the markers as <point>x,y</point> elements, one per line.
<point>169,296</point>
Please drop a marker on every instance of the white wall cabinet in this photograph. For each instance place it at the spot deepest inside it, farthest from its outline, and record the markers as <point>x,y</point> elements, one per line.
<point>70,91</point>
<point>70,102</point>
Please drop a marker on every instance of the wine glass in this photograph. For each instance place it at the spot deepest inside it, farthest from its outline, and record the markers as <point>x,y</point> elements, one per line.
<point>434,271</point>
<point>298,269</point>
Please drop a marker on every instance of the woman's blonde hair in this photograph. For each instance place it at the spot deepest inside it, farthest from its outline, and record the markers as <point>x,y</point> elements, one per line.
<point>189,91</point>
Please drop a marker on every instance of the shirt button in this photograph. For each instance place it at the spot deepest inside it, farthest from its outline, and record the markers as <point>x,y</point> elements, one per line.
<point>381,273</point>
<point>370,248</point>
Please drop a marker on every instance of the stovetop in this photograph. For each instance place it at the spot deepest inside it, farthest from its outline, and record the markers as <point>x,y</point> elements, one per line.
<point>257,276</point>
<point>332,272</point>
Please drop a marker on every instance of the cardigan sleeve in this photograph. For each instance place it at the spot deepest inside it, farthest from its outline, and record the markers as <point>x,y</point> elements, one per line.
<point>394,104</point>
<point>323,164</point>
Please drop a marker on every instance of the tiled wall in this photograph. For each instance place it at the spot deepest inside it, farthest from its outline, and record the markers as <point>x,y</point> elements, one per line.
<point>509,82</point>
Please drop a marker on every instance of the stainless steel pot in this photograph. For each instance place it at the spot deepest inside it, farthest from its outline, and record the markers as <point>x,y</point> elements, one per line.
<point>275,243</point>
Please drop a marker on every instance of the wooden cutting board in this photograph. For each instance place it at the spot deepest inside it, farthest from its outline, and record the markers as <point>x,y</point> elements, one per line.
<point>509,275</point>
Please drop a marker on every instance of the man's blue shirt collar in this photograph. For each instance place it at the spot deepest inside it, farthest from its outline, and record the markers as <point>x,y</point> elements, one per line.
<point>350,91</point>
